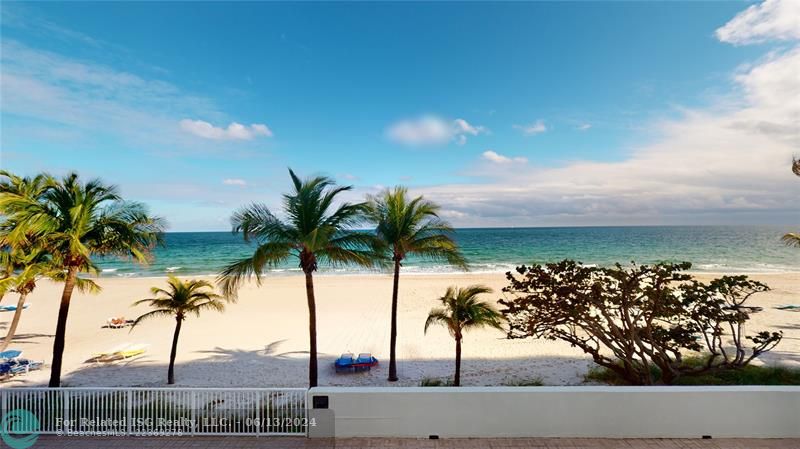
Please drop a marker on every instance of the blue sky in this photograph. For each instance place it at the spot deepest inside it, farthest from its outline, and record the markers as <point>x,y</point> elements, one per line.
<point>510,114</point>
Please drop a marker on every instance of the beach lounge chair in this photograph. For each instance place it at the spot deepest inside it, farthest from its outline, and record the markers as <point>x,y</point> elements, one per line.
<point>21,366</point>
<point>12,308</point>
<point>122,352</point>
<point>18,366</point>
<point>34,364</point>
<point>365,362</point>
<point>118,322</point>
<point>789,307</point>
<point>344,362</point>
<point>10,354</point>
<point>133,351</point>
<point>102,357</point>
<point>18,369</point>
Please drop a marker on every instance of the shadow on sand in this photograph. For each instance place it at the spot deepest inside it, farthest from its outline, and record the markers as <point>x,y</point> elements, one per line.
<point>24,338</point>
<point>270,367</point>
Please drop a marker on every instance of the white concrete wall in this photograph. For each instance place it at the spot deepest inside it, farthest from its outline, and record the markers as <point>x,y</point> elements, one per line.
<point>645,412</point>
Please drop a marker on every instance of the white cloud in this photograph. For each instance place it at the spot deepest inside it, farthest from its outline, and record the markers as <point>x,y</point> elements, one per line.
<point>261,130</point>
<point>234,182</point>
<point>432,130</point>
<point>725,163</point>
<point>234,131</point>
<point>50,91</point>
<point>770,20</point>
<point>47,87</point>
<point>497,158</point>
<point>452,214</point>
<point>532,129</point>
<point>584,126</point>
<point>348,177</point>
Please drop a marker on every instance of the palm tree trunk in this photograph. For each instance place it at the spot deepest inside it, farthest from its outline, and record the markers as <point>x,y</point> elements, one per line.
<point>393,334</point>
<point>61,328</point>
<point>171,371</point>
<point>457,379</point>
<point>312,331</point>
<point>14,322</point>
<point>6,274</point>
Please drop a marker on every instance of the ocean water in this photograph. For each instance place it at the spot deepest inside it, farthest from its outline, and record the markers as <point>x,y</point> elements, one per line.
<point>709,248</point>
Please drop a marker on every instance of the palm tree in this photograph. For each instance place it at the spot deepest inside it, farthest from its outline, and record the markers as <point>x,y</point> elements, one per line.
<point>26,266</point>
<point>410,227</point>
<point>22,262</point>
<point>13,185</point>
<point>75,222</point>
<point>793,238</point>
<point>461,310</point>
<point>179,300</point>
<point>314,231</point>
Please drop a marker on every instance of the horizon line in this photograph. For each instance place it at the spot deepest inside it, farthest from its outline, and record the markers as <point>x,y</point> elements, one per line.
<point>728,225</point>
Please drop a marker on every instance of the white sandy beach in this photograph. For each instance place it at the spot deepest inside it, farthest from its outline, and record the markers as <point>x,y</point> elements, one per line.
<point>262,339</point>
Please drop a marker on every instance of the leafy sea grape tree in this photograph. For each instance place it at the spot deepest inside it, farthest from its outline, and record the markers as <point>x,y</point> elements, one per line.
<point>720,309</point>
<point>637,321</point>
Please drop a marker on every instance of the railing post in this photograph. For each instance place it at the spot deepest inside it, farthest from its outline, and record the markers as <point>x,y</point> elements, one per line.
<point>65,400</point>
<point>268,412</point>
<point>259,394</point>
<point>194,411</point>
<point>306,401</point>
<point>129,412</point>
<point>4,394</point>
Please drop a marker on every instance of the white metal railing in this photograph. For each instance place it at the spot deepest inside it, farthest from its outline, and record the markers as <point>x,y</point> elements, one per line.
<point>162,411</point>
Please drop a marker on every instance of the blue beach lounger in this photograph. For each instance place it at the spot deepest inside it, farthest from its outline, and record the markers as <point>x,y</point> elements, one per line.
<point>11,308</point>
<point>10,354</point>
<point>20,366</point>
<point>365,361</point>
<point>344,362</point>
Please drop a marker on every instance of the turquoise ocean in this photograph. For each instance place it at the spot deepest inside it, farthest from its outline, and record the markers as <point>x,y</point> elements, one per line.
<point>728,249</point>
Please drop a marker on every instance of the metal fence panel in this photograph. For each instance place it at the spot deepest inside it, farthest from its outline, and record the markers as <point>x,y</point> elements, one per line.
<point>162,411</point>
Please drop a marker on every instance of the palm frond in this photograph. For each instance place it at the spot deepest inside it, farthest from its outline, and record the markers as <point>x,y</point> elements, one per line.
<point>87,285</point>
<point>182,298</point>
<point>462,309</point>
<point>210,304</point>
<point>337,256</point>
<point>315,230</point>
<point>257,222</point>
<point>437,316</point>
<point>268,254</point>
<point>412,226</point>
<point>791,239</point>
<point>152,314</point>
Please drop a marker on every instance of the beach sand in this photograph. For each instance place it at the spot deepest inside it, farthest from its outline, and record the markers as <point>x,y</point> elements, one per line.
<point>262,340</point>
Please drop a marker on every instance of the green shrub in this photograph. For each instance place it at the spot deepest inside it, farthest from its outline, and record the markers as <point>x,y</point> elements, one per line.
<point>531,382</point>
<point>646,315</point>
<point>436,382</point>
<point>747,375</point>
